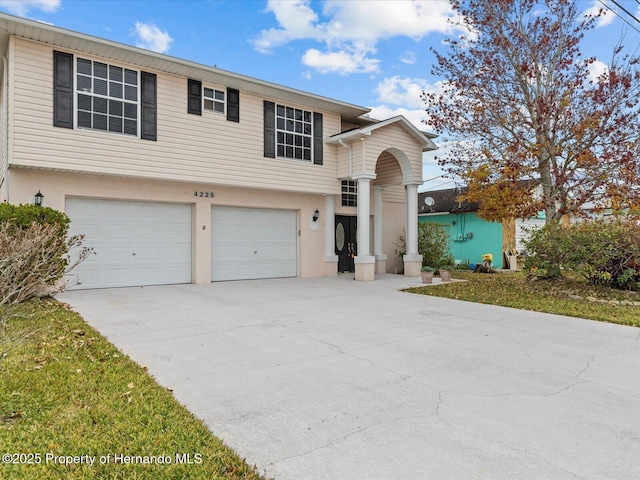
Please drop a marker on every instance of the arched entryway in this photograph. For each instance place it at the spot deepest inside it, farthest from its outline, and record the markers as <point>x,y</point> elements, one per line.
<point>385,159</point>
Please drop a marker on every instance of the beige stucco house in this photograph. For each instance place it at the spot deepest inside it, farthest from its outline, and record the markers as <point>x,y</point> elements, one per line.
<point>178,172</point>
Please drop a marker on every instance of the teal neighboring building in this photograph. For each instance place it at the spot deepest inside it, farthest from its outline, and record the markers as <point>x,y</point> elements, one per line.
<point>470,237</point>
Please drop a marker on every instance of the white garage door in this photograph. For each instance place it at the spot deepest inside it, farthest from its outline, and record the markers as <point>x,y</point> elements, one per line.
<point>253,243</point>
<point>134,243</point>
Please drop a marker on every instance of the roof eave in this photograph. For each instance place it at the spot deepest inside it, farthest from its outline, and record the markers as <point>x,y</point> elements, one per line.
<point>79,42</point>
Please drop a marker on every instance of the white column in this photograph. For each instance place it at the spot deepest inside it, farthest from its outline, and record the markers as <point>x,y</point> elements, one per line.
<point>381,258</point>
<point>377,221</point>
<point>329,216</point>
<point>364,212</point>
<point>365,262</point>
<point>329,228</point>
<point>412,259</point>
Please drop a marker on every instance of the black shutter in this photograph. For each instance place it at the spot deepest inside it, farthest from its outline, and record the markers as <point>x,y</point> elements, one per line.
<point>269,129</point>
<point>233,105</point>
<point>149,120</point>
<point>317,138</point>
<point>195,97</point>
<point>62,89</point>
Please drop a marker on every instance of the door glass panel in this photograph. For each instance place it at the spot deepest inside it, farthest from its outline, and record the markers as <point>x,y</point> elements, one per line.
<point>340,237</point>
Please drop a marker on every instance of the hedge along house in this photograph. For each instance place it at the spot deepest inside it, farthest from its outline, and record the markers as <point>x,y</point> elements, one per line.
<point>179,172</point>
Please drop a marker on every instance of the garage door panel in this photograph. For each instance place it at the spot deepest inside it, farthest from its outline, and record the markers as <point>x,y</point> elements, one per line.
<point>114,232</point>
<point>108,255</point>
<point>145,232</point>
<point>114,211</point>
<point>253,243</point>
<point>130,242</point>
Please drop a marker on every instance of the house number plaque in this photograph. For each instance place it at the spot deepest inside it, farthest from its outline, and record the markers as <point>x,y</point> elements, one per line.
<point>201,194</point>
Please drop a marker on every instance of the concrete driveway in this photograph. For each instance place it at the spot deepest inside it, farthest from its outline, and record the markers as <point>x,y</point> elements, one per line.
<point>334,379</point>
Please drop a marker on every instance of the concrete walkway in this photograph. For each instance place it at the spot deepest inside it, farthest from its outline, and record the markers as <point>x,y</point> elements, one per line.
<point>334,379</point>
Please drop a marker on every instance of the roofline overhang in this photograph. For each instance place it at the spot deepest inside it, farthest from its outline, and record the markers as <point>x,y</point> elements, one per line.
<point>79,42</point>
<point>423,138</point>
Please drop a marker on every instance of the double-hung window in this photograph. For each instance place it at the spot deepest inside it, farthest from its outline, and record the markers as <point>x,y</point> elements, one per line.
<point>294,133</point>
<point>107,97</point>
<point>213,100</point>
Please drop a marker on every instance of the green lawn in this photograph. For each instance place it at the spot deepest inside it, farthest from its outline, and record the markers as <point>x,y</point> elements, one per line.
<point>66,391</point>
<point>550,296</point>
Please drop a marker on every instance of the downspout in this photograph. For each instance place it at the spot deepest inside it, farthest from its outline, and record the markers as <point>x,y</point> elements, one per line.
<point>341,142</point>
<point>5,125</point>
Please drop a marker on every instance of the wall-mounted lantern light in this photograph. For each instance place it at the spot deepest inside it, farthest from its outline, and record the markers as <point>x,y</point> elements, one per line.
<point>316,215</point>
<point>38,199</point>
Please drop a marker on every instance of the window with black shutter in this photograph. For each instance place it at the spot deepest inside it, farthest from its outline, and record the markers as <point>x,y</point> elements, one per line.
<point>269,129</point>
<point>194,105</point>
<point>62,89</point>
<point>105,97</point>
<point>149,110</point>
<point>233,105</point>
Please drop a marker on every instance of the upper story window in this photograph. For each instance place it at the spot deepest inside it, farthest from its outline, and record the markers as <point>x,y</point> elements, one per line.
<point>213,100</point>
<point>107,97</point>
<point>294,133</point>
<point>349,193</point>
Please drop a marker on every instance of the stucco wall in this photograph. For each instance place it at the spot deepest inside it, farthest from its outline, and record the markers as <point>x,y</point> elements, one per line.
<point>486,236</point>
<point>56,187</point>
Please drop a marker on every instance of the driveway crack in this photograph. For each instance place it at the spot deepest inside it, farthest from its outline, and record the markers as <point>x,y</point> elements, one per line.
<point>471,433</point>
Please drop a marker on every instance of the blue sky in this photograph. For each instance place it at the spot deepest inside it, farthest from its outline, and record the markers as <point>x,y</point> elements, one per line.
<point>373,53</point>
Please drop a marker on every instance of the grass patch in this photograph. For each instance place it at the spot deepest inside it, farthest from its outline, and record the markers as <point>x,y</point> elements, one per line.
<point>550,296</point>
<point>65,390</point>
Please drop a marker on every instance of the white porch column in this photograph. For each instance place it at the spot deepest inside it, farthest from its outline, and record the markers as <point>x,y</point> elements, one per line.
<point>381,258</point>
<point>330,257</point>
<point>365,262</point>
<point>412,259</point>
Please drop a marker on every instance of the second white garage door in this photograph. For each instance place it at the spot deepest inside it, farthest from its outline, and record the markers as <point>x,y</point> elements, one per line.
<point>253,243</point>
<point>135,243</point>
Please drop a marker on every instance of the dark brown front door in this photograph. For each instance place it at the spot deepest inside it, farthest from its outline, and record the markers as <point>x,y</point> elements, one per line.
<point>346,246</point>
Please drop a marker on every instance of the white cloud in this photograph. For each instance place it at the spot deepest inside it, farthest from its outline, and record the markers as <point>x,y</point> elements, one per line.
<point>340,62</point>
<point>408,57</point>
<point>152,38</point>
<point>405,91</point>
<point>352,29</point>
<point>21,7</point>
<point>596,69</point>
<point>607,16</point>
<point>296,20</point>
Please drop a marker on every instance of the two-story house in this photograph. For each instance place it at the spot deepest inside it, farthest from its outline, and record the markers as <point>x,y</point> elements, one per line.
<point>178,172</point>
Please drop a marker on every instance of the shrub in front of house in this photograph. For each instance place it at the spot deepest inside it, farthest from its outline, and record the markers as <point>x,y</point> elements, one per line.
<point>34,251</point>
<point>433,245</point>
<point>603,251</point>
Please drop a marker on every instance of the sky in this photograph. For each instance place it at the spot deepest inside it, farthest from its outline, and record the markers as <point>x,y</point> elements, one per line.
<point>372,53</point>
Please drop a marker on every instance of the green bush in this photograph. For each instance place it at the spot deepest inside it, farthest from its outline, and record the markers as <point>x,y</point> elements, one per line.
<point>604,252</point>
<point>22,216</point>
<point>34,251</point>
<point>433,245</point>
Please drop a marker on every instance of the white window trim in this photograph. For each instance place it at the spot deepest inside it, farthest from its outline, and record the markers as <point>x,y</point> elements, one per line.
<point>223,102</point>
<point>310,135</point>
<point>350,193</point>
<point>75,97</point>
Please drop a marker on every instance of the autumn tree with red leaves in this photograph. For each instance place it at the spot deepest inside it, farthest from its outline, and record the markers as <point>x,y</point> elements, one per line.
<point>520,109</point>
